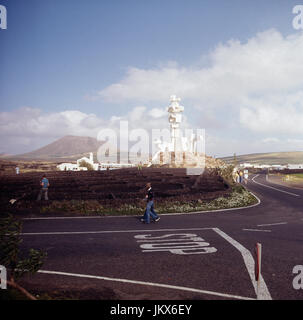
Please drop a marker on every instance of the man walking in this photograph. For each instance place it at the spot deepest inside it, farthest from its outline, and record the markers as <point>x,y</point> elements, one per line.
<point>150,212</point>
<point>44,188</point>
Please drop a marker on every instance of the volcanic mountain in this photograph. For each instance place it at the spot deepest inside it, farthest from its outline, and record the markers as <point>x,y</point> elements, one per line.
<point>67,148</point>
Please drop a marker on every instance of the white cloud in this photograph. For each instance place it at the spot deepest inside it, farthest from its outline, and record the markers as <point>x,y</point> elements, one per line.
<point>26,129</point>
<point>270,140</point>
<point>256,85</point>
<point>157,113</point>
<point>278,114</point>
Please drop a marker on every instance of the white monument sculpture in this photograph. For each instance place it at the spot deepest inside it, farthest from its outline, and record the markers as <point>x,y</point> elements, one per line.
<point>185,147</point>
<point>175,119</point>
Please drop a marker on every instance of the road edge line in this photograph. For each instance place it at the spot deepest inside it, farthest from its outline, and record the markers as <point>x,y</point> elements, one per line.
<point>167,286</point>
<point>249,263</point>
<point>264,185</point>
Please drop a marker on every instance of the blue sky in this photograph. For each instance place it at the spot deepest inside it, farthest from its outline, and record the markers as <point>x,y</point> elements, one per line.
<point>63,59</point>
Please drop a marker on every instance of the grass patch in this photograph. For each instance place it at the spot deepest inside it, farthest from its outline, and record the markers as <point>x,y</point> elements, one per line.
<point>293,177</point>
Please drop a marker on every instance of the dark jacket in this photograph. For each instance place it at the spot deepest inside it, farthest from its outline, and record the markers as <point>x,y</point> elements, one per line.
<point>150,194</point>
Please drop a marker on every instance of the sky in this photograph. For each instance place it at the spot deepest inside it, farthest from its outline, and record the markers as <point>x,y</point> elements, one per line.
<point>74,67</point>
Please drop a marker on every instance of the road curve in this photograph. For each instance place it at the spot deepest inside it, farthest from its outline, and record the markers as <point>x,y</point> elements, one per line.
<point>198,256</point>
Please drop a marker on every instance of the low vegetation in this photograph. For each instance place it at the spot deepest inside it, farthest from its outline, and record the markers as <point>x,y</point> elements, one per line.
<point>121,192</point>
<point>16,263</point>
<point>295,177</point>
<point>289,179</point>
<point>239,197</point>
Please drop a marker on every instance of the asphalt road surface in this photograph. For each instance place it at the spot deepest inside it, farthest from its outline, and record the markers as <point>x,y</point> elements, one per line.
<point>183,256</point>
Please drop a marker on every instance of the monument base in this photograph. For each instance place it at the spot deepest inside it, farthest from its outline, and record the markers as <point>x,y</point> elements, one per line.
<point>181,159</point>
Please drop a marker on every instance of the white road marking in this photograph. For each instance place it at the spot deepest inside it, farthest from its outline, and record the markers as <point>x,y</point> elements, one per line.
<point>247,257</point>
<point>176,243</point>
<point>107,231</point>
<point>256,230</point>
<point>166,286</point>
<point>271,224</point>
<point>249,263</point>
<point>80,217</point>
<point>264,185</point>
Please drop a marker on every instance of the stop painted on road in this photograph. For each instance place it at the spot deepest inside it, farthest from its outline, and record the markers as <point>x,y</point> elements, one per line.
<point>175,243</point>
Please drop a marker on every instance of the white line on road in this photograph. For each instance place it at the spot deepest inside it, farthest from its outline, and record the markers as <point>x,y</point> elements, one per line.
<point>167,286</point>
<point>107,231</point>
<point>80,217</point>
<point>256,230</point>
<point>271,224</point>
<point>247,257</point>
<point>264,185</point>
<point>250,265</point>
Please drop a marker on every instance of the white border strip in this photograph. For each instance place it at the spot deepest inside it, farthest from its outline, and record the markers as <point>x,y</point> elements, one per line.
<point>256,230</point>
<point>250,265</point>
<point>264,185</point>
<point>166,286</point>
<point>271,224</point>
<point>108,231</point>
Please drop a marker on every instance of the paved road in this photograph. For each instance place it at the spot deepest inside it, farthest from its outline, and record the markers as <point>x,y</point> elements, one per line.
<point>194,256</point>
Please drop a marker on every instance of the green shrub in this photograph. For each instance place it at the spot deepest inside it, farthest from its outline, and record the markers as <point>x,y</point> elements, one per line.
<point>10,256</point>
<point>238,188</point>
<point>227,174</point>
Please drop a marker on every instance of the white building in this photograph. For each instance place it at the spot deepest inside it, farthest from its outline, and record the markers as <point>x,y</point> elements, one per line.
<point>111,166</point>
<point>77,167</point>
<point>68,167</point>
<point>272,166</point>
<point>294,166</point>
<point>96,166</point>
<point>278,167</point>
<point>246,165</point>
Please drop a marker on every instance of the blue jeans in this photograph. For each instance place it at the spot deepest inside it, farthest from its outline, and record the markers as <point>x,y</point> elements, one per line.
<point>45,191</point>
<point>150,212</point>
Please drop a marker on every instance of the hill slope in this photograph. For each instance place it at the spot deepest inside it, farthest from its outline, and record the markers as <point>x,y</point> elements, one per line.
<point>295,157</point>
<point>66,148</point>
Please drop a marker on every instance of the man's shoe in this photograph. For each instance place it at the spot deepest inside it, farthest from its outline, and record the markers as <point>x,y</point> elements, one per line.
<point>157,219</point>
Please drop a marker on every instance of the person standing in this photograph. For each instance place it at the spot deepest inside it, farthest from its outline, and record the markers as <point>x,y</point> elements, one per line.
<point>245,176</point>
<point>237,176</point>
<point>139,166</point>
<point>44,183</point>
<point>149,211</point>
<point>17,170</point>
<point>241,176</point>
